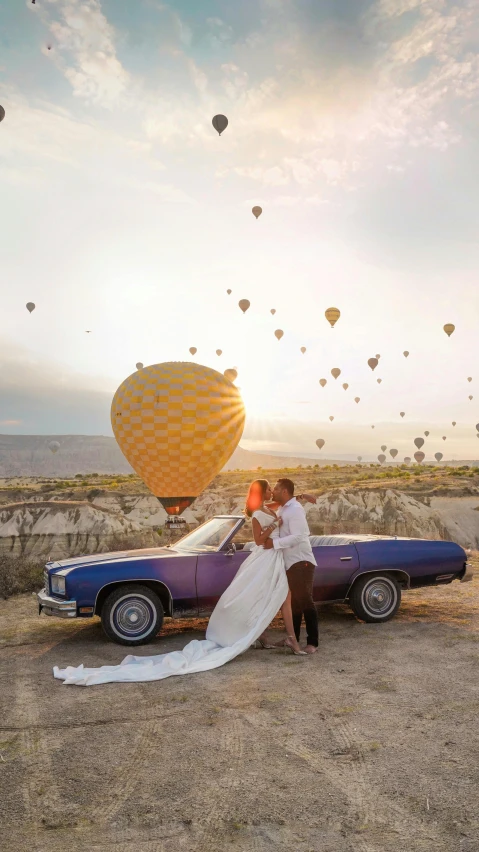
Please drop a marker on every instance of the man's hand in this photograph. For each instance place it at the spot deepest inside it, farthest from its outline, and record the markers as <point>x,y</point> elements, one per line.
<point>310,498</point>
<point>268,544</point>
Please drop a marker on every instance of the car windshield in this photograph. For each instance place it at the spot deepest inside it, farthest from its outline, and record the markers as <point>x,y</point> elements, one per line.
<point>207,537</point>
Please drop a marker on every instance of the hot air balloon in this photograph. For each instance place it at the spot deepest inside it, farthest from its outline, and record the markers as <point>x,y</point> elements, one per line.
<point>257,211</point>
<point>273,311</point>
<point>407,459</point>
<point>244,304</point>
<point>378,357</point>
<point>419,457</point>
<point>323,382</point>
<point>335,372</point>
<point>332,315</point>
<point>2,113</point>
<point>384,448</point>
<point>393,453</point>
<point>320,443</point>
<point>278,333</point>
<point>54,446</point>
<point>345,386</point>
<point>231,374</point>
<point>373,363</point>
<point>449,328</point>
<point>357,399</point>
<point>139,365</point>
<point>193,350</point>
<point>477,427</point>
<point>220,123</point>
<point>177,424</point>
<point>379,381</point>
<point>381,458</point>
<point>471,397</point>
<point>453,422</point>
<point>30,306</point>
<point>444,437</point>
<point>419,442</point>
<point>303,349</point>
<point>402,413</point>
<point>87,331</point>
<point>372,427</point>
<point>229,292</point>
<point>331,418</point>
<point>426,434</point>
<point>469,378</point>
<point>438,456</point>
<point>360,458</point>
<point>406,353</point>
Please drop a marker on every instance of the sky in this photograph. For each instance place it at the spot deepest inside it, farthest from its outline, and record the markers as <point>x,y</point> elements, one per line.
<point>352,123</point>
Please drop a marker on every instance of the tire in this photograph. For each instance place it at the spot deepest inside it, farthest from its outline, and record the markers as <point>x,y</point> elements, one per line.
<point>375,597</point>
<point>132,615</point>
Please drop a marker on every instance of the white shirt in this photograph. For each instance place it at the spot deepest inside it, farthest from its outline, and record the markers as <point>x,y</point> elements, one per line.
<point>294,534</point>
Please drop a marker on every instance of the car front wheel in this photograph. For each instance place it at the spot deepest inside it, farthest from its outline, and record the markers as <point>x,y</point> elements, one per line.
<point>375,598</point>
<point>132,615</point>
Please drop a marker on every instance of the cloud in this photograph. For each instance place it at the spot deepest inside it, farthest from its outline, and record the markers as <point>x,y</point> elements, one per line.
<point>36,398</point>
<point>84,50</point>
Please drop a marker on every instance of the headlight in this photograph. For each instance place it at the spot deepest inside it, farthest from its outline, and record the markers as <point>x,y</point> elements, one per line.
<point>58,584</point>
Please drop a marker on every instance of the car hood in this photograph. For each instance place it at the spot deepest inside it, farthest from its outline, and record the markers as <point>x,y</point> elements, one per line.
<point>101,558</point>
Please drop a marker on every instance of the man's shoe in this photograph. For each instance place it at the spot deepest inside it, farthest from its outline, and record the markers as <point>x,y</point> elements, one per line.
<point>311,649</point>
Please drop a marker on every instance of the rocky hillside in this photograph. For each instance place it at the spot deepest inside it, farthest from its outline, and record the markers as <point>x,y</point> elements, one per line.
<point>110,521</point>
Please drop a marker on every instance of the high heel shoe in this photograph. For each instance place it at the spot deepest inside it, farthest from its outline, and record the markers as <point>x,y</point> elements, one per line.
<point>261,643</point>
<point>289,644</point>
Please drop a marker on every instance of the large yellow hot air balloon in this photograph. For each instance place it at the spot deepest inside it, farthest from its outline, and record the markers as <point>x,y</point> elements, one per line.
<point>449,328</point>
<point>177,424</point>
<point>332,315</point>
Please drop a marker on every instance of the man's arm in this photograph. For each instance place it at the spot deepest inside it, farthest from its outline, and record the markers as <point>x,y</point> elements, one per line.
<point>299,530</point>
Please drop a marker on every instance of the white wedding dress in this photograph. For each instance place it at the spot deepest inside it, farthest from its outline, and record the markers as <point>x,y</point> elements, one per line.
<point>243,612</point>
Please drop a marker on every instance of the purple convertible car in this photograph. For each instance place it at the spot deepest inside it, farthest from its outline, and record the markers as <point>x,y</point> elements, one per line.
<point>133,591</point>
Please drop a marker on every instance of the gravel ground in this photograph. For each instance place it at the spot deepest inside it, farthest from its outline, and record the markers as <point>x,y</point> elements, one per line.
<point>371,745</point>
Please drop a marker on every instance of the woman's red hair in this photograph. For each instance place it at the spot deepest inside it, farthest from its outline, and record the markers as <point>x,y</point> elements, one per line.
<point>256,493</point>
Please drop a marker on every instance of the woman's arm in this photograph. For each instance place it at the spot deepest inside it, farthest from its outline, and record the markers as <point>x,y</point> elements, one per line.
<point>261,533</point>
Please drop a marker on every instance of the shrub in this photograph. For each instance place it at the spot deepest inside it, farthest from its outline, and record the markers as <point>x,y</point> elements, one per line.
<point>18,575</point>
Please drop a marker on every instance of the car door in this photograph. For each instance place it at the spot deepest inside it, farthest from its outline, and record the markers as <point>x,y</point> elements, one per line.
<point>336,564</point>
<point>214,573</point>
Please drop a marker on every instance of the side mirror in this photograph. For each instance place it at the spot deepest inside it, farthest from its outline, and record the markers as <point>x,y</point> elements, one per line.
<point>231,549</point>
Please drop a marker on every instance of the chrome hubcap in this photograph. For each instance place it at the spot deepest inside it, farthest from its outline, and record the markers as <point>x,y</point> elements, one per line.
<point>133,616</point>
<point>379,597</point>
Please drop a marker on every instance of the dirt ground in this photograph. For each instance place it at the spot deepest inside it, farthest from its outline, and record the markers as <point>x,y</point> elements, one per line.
<point>371,745</point>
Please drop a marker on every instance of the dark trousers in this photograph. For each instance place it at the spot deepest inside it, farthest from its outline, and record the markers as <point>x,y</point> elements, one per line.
<point>300,580</point>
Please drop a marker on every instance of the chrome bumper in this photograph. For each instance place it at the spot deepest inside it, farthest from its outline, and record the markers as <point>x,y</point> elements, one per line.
<point>56,606</point>
<point>467,576</point>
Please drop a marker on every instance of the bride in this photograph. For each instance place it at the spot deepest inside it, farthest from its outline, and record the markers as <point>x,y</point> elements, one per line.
<point>245,609</point>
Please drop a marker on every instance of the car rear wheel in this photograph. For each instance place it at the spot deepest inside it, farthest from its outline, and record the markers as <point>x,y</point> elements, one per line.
<point>132,615</point>
<point>375,598</point>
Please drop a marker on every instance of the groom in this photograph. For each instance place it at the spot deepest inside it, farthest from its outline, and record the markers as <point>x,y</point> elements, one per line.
<point>298,558</point>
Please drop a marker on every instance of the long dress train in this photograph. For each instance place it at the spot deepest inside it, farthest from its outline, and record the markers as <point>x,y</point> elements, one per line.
<point>242,613</point>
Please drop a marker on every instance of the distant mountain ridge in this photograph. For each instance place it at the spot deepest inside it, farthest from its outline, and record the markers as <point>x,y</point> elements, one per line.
<point>29,455</point>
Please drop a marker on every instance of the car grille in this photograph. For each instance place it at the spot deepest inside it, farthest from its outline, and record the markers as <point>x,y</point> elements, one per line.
<point>45,580</point>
